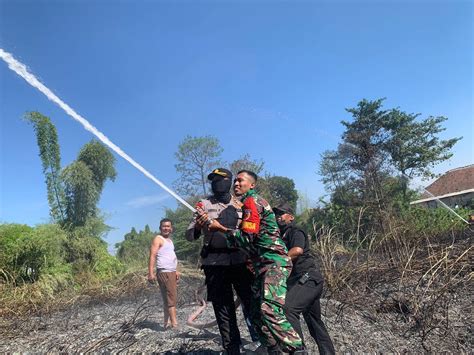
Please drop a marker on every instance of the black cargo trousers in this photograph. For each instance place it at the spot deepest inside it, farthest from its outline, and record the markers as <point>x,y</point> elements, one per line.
<point>303,298</point>
<point>220,279</point>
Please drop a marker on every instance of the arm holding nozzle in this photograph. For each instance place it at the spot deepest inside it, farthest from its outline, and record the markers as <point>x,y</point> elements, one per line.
<point>200,221</point>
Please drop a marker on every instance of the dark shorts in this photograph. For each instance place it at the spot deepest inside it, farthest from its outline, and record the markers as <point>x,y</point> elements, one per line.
<point>168,287</point>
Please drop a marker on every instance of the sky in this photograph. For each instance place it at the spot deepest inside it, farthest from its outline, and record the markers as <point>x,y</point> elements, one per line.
<point>267,78</point>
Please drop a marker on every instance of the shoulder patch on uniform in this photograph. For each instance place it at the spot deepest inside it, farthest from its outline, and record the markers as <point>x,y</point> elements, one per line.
<point>251,217</point>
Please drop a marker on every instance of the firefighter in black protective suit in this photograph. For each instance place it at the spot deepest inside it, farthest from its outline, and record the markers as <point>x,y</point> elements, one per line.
<point>223,267</point>
<point>305,283</point>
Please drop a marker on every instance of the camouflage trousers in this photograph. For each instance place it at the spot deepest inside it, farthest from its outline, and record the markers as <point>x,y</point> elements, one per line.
<point>267,312</point>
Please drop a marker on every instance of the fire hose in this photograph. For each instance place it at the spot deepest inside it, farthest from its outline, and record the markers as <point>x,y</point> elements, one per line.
<point>192,319</point>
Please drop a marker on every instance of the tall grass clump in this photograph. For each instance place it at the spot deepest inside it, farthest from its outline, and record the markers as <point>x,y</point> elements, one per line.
<point>416,269</point>
<point>38,264</point>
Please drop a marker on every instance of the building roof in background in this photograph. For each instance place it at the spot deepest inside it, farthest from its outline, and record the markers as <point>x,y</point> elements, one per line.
<point>455,180</point>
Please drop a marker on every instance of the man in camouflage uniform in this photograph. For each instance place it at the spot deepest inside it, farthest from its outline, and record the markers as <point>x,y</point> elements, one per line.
<point>224,267</point>
<point>259,236</point>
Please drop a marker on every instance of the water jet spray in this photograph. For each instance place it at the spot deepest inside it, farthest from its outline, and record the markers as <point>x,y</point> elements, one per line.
<point>22,71</point>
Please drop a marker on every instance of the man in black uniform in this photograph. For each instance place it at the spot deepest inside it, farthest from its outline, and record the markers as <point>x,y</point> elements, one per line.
<point>305,283</point>
<point>223,267</point>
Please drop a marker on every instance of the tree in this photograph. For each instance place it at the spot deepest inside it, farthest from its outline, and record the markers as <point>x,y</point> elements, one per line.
<point>277,189</point>
<point>246,163</point>
<point>376,144</point>
<point>196,156</point>
<point>81,193</point>
<point>413,146</point>
<point>101,162</point>
<point>74,192</point>
<point>47,139</point>
<point>334,167</point>
<point>363,139</point>
<point>134,249</point>
<point>84,181</point>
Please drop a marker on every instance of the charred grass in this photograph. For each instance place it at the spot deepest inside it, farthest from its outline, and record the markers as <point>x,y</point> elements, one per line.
<point>414,285</point>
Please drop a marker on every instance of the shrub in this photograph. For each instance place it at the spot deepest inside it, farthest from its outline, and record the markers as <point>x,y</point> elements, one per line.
<point>434,221</point>
<point>133,251</point>
<point>27,253</point>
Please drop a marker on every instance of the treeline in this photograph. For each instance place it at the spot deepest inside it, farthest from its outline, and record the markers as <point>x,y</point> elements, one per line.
<point>368,175</point>
<point>367,179</point>
<point>133,251</point>
<point>196,157</point>
<point>70,250</point>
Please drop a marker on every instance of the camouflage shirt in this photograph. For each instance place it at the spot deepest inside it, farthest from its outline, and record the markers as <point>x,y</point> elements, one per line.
<point>259,234</point>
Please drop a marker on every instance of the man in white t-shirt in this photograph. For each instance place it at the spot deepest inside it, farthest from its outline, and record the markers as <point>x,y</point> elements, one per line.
<point>162,256</point>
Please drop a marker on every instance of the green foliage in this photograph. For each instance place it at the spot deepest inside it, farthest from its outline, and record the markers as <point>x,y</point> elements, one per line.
<point>378,142</point>
<point>350,222</point>
<point>104,265</point>
<point>94,227</point>
<point>87,251</point>
<point>342,220</point>
<point>196,157</point>
<point>47,140</point>
<point>84,242</point>
<point>361,174</point>
<point>84,180</point>
<point>245,162</point>
<point>413,146</point>
<point>134,250</point>
<point>27,253</point>
<point>55,279</point>
<point>89,255</point>
<point>277,189</point>
<point>364,135</point>
<point>100,161</point>
<point>81,193</point>
<point>10,234</point>
<point>48,253</point>
<point>433,221</point>
<point>74,192</point>
<point>51,256</point>
<point>81,251</point>
<point>334,169</point>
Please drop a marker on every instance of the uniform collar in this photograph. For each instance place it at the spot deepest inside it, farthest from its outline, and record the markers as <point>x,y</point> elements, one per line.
<point>214,200</point>
<point>250,192</point>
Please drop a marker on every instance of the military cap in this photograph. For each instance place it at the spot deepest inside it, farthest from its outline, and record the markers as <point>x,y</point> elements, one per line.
<point>283,208</point>
<point>219,172</point>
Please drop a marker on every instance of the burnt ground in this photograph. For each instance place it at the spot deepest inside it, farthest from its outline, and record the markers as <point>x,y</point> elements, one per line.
<point>133,324</point>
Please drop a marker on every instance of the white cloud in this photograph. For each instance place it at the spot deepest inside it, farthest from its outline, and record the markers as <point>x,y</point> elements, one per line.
<point>145,201</point>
